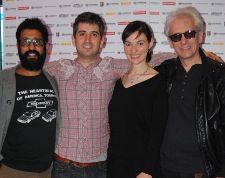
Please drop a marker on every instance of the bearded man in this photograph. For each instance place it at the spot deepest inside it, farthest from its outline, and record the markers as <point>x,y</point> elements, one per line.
<point>29,108</point>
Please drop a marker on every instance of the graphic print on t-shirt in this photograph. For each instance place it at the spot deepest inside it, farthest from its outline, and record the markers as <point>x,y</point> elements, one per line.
<point>36,102</point>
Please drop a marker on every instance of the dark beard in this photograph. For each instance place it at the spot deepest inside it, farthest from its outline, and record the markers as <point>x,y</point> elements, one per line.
<point>32,64</point>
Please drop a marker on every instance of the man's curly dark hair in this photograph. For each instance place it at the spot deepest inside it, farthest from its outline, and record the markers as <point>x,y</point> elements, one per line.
<point>35,24</point>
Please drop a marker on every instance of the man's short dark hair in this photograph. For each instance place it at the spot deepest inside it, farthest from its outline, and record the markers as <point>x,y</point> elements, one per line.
<point>91,18</point>
<point>34,24</point>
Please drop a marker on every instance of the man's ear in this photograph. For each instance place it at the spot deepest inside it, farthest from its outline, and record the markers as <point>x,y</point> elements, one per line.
<point>47,46</point>
<point>170,43</point>
<point>73,40</point>
<point>201,37</point>
<point>103,42</point>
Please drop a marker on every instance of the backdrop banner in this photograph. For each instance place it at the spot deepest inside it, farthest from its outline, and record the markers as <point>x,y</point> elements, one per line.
<point>59,15</point>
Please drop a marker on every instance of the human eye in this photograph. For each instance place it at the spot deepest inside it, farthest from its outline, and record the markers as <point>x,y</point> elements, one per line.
<point>25,42</point>
<point>127,44</point>
<point>81,33</point>
<point>38,42</point>
<point>141,42</point>
<point>95,34</point>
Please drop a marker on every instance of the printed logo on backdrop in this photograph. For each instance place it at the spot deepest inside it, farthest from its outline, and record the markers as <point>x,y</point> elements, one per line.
<point>10,18</point>
<point>124,13</point>
<point>201,3</point>
<point>216,13</point>
<point>50,6</point>
<point>10,45</point>
<point>78,5</point>
<point>217,4</point>
<point>51,15</point>
<point>110,13</point>
<point>36,7</point>
<point>204,14</point>
<point>141,12</point>
<point>185,3</point>
<point>10,54</point>
<point>220,34</point>
<point>112,4</point>
<point>64,5</point>
<point>91,5</point>
<point>110,23</point>
<point>10,9</point>
<point>214,23</point>
<point>168,3</point>
<point>154,2</point>
<point>154,12</point>
<point>139,2</point>
<point>63,15</point>
<point>23,8</point>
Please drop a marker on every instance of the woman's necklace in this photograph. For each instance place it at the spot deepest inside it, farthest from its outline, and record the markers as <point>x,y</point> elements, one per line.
<point>136,77</point>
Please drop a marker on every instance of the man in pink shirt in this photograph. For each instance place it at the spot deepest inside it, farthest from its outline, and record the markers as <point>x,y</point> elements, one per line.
<point>85,86</point>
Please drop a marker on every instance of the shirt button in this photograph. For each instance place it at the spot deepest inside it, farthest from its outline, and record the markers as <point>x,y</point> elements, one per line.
<point>9,102</point>
<point>182,97</point>
<point>185,76</point>
<point>184,83</point>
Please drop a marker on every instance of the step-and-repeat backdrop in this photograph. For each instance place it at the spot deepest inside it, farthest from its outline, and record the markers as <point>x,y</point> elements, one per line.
<point>59,15</point>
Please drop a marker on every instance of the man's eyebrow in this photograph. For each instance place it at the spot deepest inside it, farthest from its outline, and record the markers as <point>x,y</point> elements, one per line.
<point>80,31</point>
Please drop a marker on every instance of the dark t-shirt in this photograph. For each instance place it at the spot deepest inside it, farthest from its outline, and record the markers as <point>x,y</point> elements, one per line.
<point>30,140</point>
<point>180,151</point>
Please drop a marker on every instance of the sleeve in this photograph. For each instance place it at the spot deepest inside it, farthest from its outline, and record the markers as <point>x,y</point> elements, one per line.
<point>52,67</point>
<point>156,127</point>
<point>59,68</point>
<point>159,58</point>
<point>120,66</point>
<point>166,66</point>
<point>221,88</point>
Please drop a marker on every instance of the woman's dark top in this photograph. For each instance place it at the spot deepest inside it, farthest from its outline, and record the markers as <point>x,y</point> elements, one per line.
<point>137,118</point>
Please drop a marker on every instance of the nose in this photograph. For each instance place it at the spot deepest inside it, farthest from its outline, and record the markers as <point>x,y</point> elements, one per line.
<point>183,39</point>
<point>87,38</point>
<point>133,49</point>
<point>31,46</point>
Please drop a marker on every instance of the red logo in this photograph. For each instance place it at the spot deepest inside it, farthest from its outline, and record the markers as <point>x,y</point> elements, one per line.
<point>10,18</point>
<point>110,33</point>
<point>139,12</point>
<point>169,3</point>
<point>22,8</point>
<point>154,12</point>
<point>123,23</point>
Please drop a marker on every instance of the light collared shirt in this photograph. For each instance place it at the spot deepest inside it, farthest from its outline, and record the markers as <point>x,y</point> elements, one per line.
<point>84,97</point>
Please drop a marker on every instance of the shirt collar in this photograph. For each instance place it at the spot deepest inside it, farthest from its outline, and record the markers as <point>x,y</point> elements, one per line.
<point>96,63</point>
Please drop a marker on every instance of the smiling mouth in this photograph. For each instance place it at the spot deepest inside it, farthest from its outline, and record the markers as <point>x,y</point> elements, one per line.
<point>32,56</point>
<point>135,56</point>
<point>185,47</point>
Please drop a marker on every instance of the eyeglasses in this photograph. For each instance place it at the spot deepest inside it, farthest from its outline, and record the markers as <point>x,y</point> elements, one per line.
<point>35,42</point>
<point>188,35</point>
